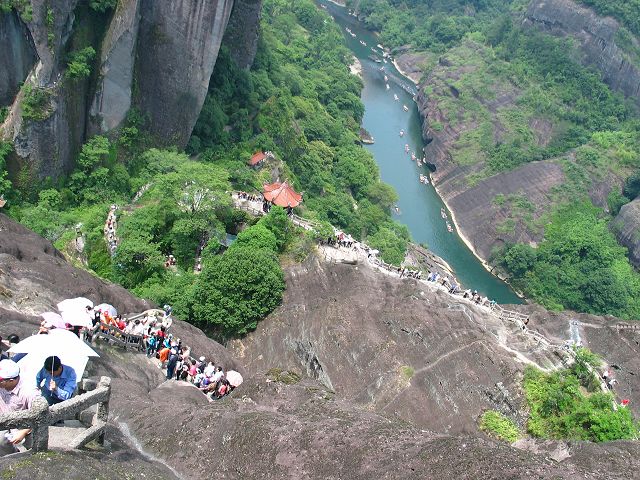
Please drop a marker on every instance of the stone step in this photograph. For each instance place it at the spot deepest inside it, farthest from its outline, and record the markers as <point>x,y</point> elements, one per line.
<point>61,436</point>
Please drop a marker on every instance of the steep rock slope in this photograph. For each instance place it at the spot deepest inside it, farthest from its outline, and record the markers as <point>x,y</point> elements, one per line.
<point>482,203</point>
<point>270,429</point>
<point>112,99</point>
<point>241,36</point>
<point>167,49</point>
<point>626,226</point>
<point>596,37</point>
<point>17,56</point>
<point>177,49</point>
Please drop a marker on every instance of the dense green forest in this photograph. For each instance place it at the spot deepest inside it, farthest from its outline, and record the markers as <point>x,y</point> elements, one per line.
<point>299,101</point>
<point>592,133</point>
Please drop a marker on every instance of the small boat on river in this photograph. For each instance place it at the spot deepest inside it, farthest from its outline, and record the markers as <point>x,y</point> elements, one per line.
<point>449,227</point>
<point>402,133</point>
<point>405,108</point>
<point>406,148</point>
<point>380,47</point>
<point>388,87</point>
<point>395,97</point>
<point>443,214</point>
<point>386,79</point>
<point>424,179</point>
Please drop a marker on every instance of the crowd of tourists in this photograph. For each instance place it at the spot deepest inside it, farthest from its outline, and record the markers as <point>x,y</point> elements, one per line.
<point>110,229</point>
<point>154,331</point>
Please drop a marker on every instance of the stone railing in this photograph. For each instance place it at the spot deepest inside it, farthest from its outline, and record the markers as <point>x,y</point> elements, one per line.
<point>40,416</point>
<point>119,337</point>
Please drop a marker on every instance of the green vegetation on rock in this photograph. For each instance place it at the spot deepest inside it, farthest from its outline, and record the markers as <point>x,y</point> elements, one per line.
<point>561,408</point>
<point>626,11</point>
<point>496,424</point>
<point>36,103</point>
<point>78,65</point>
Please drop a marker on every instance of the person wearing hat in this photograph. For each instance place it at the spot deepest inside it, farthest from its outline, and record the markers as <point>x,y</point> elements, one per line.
<point>14,395</point>
<point>56,381</point>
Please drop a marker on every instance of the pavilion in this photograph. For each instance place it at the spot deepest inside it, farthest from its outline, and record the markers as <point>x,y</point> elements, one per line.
<point>282,194</point>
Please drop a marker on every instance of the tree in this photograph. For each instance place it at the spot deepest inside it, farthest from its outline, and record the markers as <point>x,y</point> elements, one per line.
<point>279,224</point>
<point>237,289</point>
<point>392,247</point>
<point>94,153</point>
<point>257,237</point>
<point>136,260</point>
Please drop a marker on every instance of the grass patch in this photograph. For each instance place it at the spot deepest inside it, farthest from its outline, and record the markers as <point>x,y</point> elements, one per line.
<point>499,426</point>
<point>283,376</point>
<point>407,372</point>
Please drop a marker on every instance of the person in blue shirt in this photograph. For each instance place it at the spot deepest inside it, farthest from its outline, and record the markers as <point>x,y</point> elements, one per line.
<point>56,381</point>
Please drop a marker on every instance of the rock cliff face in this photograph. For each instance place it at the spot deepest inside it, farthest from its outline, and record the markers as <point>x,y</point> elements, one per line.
<point>484,209</point>
<point>113,94</point>
<point>626,227</point>
<point>167,49</point>
<point>241,36</point>
<point>17,56</point>
<point>596,37</point>
<point>178,45</point>
<point>406,365</point>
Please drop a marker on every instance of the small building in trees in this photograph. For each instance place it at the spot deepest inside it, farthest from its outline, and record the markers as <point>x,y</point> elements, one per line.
<point>258,158</point>
<point>282,194</point>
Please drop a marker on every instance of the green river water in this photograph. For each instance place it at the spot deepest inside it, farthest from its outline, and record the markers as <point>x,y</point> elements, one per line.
<point>419,204</point>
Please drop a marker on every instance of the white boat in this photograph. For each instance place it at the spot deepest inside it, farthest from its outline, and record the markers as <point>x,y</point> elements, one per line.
<point>449,227</point>
<point>388,87</point>
<point>380,47</point>
<point>386,79</point>
<point>406,148</point>
<point>384,60</point>
<point>395,97</point>
<point>402,133</point>
<point>354,36</point>
<point>443,214</point>
<point>405,108</point>
<point>424,179</point>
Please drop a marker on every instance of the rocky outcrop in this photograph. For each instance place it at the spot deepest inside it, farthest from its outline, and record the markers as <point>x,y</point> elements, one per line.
<point>166,49</point>
<point>112,100</point>
<point>405,365</point>
<point>241,36</point>
<point>626,227</point>
<point>486,209</point>
<point>17,56</point>
<point>596,38</point>
<point>178,43</point>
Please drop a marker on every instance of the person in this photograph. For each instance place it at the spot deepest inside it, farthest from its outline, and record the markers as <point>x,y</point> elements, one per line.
<point>56,381</point>
<point>15,394</point>
<point>172,363</point>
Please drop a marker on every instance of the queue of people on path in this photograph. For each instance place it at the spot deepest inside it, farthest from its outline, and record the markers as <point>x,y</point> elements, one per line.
<point>342,240</point>
<point>110,228</point>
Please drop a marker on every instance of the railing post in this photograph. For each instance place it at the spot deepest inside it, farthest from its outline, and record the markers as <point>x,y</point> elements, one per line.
<point>102,413</point>
<point>40,430</point>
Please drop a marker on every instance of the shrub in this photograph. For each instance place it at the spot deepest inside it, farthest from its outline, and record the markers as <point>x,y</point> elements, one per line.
<point>36,103</point>
<point>78,65</point>
<point>499,426</point>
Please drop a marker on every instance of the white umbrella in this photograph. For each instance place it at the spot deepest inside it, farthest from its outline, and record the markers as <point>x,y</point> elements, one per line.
<point>105,307</point>
<point>78,318</point>
<point>234,378</point>
<point>52,319</point>
<point>64,344</point>
<point>78,303</point>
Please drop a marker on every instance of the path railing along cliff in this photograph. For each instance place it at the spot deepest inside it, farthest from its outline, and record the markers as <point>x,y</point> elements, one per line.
<point>41,416</point>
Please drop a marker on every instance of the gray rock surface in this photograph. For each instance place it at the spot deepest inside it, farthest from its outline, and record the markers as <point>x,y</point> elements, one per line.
<point>241,36</point>
<point>17,56</point>
<point>596,38</point>
<point>353,332</point>
<point>113,94</point>
<point>626,227</point>
<point>178,43</point>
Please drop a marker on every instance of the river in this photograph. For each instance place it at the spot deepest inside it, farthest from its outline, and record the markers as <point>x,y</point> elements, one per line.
<point>419,204</point>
